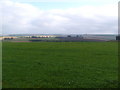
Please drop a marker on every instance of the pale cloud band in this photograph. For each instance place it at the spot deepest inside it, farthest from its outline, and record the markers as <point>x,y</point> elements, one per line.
<point>25,18</point>
<point>100,1</point>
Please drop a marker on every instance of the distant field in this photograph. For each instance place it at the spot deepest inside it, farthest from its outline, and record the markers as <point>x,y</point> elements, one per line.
<point>28,39</point>
<point>60,65</point>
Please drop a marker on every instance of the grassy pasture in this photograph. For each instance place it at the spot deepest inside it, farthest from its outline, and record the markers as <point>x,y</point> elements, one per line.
<point>60,64</point>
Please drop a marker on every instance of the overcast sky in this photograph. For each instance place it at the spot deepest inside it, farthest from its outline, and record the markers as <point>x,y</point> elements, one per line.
<point>59,16</point>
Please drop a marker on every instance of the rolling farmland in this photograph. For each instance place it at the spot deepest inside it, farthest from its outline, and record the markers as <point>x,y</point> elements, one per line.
<point>60,64</point>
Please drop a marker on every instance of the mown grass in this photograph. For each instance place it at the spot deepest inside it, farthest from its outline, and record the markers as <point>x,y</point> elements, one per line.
<point>60,65</point>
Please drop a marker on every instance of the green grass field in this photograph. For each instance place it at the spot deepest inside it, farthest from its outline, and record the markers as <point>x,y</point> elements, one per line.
<point>60,65</point>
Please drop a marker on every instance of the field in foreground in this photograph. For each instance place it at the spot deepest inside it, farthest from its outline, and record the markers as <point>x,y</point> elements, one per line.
<point>60,65</point>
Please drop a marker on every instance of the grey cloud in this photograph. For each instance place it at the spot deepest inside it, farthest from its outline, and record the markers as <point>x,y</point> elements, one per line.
<point>22,20</point>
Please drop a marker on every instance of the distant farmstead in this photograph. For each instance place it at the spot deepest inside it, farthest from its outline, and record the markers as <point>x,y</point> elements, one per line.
<point>118,37</point>
<point>7,38</point>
